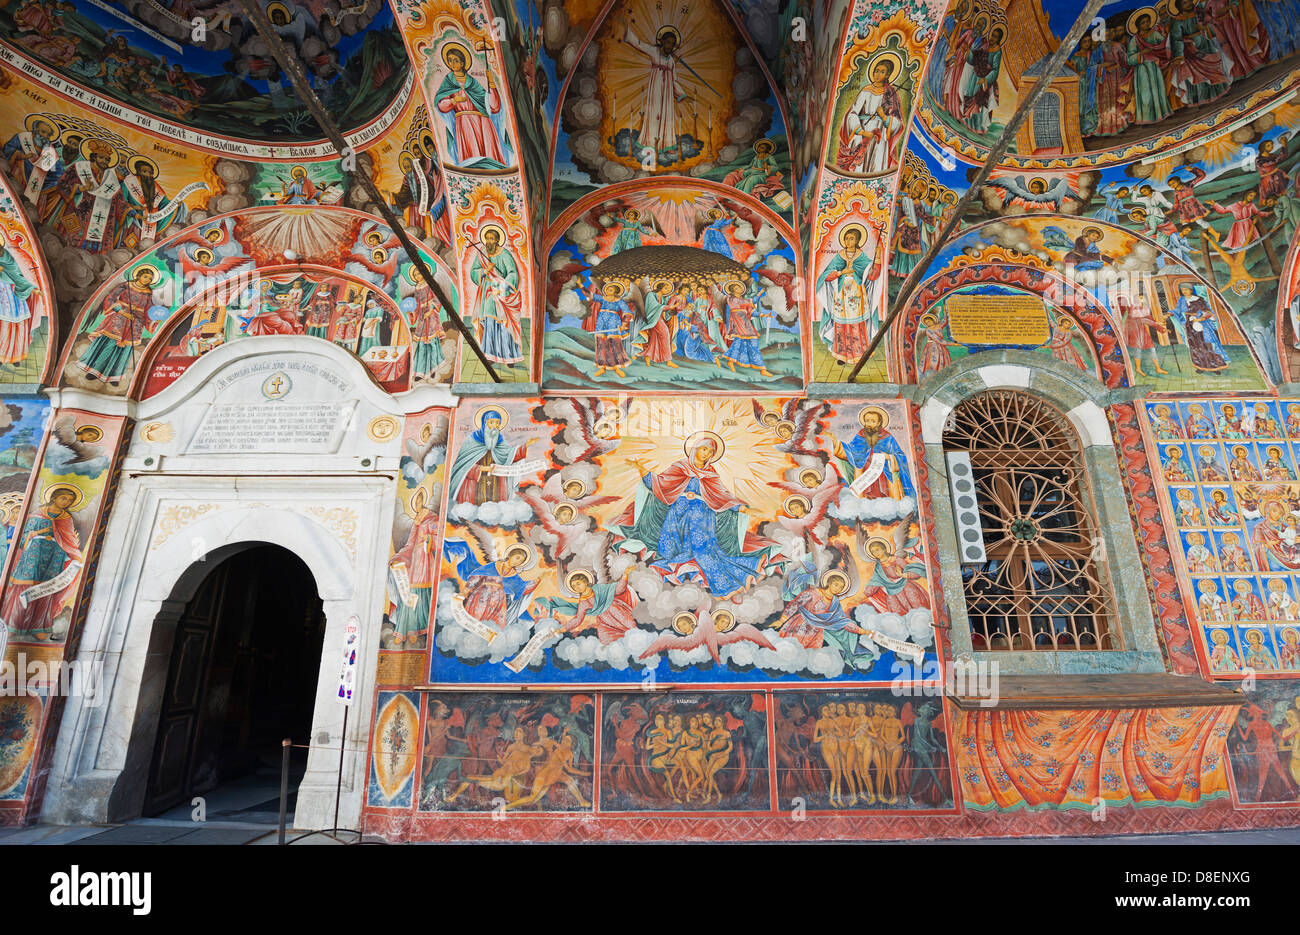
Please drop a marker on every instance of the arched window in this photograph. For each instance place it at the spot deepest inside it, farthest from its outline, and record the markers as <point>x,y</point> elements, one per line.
<point>1041,584</point>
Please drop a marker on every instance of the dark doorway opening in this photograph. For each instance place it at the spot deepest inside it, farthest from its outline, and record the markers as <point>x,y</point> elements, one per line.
<point>244,666</point>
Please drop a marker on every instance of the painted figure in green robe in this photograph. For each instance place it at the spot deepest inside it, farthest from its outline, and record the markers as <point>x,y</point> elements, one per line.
<point>121,330</point>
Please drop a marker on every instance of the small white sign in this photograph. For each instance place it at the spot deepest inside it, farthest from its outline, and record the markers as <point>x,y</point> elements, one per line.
<point>348,672</point>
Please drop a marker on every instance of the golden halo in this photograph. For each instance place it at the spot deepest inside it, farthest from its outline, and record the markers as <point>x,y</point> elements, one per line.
<point>684,623</point>
<point>815,474</point>
<point>1133,17</point>
<point>407,157</point>
<point>654,286</point>
<point>713,214</point>
<point>828,576</point>
<point>975,26</point>
<point>614,413</point>
<point>788,426</point>
<point>862,233</point>
<point>1285,630</point>
<point>298,172</point>
<point>459,46</point>
<point>615,286</point>
<point>426,433</point>
<point>373,238</point>
<point>501,233</point>
<point>425,145</point>
<point>419,499</point>
<point>478,416</point>
<point>769,418</point>
<point>893,57</point>
<point>884,416</point>
<point>582,486</point>
<point>764,146</point>
<point>88,146</point>
<point>797,498</point>
<point>555,510</point>
<point>48,493</point>
<point>526,549</point>
<point>889,546</point>
<point>666,30</point>
<point>33,119</point>
<point>733,282</point>
<point>135,273</point>
<point>719,616</point>
<point>579,572</point>
<point>276,5</point>
<point>94,432</point>
<point>204,255</point>
<point>133,164</point>
<point>694,441</point>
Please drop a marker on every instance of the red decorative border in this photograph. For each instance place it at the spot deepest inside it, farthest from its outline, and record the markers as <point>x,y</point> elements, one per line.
<point>1217,816</point>
<point>1149,526</point>
<point>1087,312</point>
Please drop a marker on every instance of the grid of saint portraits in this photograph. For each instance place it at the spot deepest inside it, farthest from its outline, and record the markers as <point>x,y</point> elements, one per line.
<point>1229,467</point>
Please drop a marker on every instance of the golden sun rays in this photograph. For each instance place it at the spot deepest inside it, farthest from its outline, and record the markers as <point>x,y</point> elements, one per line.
<point>656,431</point>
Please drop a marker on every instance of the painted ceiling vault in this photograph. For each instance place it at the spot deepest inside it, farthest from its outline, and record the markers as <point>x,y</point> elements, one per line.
<point>808,151</point>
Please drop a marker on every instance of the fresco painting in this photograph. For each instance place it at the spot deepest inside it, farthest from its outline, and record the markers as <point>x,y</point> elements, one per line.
<point>48,554</point>
<point>1073,760</point>
<point>395,747</point>
<point>266,273</point>
<point>568,553</point>
<point>226,84</point>
<point>1264,745</point>
<point>1232,489</point>
<point>680,93</point>
<point>673,289</point>
<point>413,565</point>
<point>861,749</point>
<point>499,753</point>
<point>690,751</point>
<point>1145,72</point>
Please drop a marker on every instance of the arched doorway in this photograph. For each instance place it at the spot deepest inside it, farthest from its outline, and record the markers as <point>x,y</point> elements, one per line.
<point>244,663</point>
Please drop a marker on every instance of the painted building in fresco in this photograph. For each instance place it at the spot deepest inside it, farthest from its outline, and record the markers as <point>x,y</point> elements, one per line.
<point>650,563</point>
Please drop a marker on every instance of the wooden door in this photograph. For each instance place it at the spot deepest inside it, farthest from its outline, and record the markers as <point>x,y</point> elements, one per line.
<point>171,773</point>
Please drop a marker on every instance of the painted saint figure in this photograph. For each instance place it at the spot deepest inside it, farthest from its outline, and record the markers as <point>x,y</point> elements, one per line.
<point>498,303</point>
<point>469,107</point>
<point>873,126</point>
<point>874,454</point>
<point>48,561</point>
<point>693,523</point>
<point>111,355</point>
<point>848,288</point>
<point>473,479</point>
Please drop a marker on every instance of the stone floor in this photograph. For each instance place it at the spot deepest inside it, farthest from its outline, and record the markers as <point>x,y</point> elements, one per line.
<point>241,812</point>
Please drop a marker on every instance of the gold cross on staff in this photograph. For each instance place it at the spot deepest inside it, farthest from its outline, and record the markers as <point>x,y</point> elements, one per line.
<point>276,384</point>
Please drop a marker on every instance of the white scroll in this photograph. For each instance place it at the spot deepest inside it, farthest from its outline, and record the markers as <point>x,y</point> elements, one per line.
<point>875,467</point>
<point>47,160</point>
<point>916,653</point>
<point>469,622</point>
<point>529,653</point>
<point>402,583</point>
<point>518,469</point>
<point>52,586</point>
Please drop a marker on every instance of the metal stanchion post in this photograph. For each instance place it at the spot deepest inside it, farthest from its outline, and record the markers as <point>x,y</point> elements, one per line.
<point>284,787</point>
<point>343,745</point>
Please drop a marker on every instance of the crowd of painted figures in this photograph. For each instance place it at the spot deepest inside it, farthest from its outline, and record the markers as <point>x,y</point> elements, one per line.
<point>692,318</point>
<point>1231,467</point>
<point>1145,66</point>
